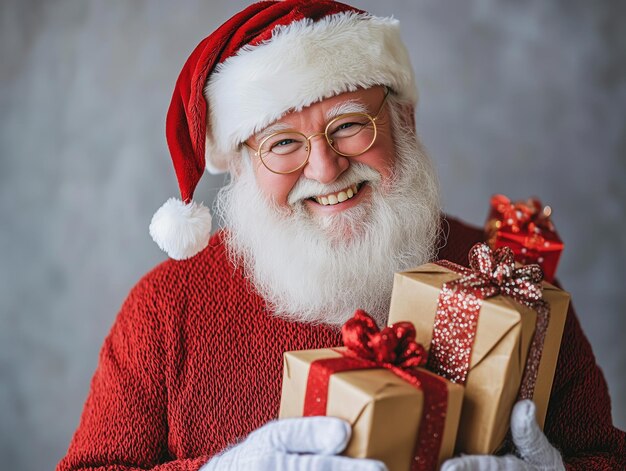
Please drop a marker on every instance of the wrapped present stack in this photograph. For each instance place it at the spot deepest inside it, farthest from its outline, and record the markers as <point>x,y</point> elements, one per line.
<point>525,227</point>
<point>495,328</point>
<point>400,413</point>
<point>463,345</point>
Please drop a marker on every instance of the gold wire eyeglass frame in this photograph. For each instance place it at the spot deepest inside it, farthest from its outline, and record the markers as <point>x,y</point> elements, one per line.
<point>373,119</point>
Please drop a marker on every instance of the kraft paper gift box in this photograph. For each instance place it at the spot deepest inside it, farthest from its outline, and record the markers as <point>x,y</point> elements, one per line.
<point>504,332</point>
<point>384,410</point>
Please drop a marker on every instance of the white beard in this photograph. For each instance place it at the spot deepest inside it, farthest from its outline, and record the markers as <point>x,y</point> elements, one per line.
<point>319,270</point>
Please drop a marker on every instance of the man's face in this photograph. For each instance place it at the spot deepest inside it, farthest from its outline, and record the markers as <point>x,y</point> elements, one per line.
<point>325,166</point>
<point>318,263</point>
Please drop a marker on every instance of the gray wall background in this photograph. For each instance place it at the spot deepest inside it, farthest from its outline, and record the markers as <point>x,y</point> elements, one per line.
<point>525,98</point>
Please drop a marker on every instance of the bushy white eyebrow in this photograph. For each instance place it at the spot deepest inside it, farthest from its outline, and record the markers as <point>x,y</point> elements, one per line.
<point>350,106</point>
<point>271,129</point>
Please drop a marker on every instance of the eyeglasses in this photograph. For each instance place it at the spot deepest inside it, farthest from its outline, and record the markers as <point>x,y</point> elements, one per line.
<point>349,135</point>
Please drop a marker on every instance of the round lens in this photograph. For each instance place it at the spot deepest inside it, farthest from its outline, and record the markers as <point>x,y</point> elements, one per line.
<point>284,152</point>
<point>351,134</point>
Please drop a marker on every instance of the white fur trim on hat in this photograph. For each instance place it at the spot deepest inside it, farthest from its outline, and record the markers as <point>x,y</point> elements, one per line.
<point>304,62</point>
<point>181,230</point>
<point>216,161</point>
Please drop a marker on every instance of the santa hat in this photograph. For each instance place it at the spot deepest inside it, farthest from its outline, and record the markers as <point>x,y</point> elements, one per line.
<point>269,59</point>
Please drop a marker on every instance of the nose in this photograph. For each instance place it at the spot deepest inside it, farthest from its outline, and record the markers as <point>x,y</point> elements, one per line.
<point>324,164</point>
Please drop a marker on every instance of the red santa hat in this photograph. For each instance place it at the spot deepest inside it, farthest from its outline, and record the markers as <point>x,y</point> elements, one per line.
<point>269,59</point>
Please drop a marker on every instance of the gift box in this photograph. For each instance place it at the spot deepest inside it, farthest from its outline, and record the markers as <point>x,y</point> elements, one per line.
<point>525,227</point>
<point>507,348</point>
<point>385,410</point>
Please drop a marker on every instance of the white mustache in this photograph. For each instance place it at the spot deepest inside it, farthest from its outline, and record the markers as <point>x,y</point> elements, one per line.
<point>356,173</point>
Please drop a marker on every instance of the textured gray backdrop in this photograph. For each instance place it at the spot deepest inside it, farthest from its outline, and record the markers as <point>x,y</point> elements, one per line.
<point>525,98</point>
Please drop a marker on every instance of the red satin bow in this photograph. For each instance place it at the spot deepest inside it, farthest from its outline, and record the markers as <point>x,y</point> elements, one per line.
<point>527,215</point>
<point>395,349</point>
<point>391,346</point>
<point>494,272</point>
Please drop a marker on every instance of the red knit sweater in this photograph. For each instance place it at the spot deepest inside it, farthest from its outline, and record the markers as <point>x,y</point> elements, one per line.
<point>193,363</point>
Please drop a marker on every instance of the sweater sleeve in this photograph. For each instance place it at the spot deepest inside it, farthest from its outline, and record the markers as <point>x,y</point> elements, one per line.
<point>124,421</point>
<point>579,419</point>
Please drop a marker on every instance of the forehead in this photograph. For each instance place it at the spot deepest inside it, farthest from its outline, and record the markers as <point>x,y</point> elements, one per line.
<point>362,100</point>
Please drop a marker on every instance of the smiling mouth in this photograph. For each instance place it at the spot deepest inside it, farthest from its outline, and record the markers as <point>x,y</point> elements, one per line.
<point>340,196</point>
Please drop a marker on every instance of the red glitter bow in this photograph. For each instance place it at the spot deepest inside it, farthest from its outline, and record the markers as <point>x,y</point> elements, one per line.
<point>529,215</point>
<point>494,272</point>
<point>395,349</point>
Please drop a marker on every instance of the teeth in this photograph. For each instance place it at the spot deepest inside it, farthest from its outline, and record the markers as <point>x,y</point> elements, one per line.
<point>339,197</point>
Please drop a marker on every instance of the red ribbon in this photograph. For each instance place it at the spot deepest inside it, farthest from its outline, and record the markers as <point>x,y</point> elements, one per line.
<point>395,349</point>
<point>529,215</point>
<point>526,227</point>
<point>490,273</point>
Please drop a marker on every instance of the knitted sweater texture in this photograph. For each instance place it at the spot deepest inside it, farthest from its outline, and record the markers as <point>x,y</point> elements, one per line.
<point>193,363</point>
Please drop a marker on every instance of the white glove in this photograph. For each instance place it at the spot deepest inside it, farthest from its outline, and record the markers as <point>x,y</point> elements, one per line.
<point>532,445</point>
<point>307,443</point>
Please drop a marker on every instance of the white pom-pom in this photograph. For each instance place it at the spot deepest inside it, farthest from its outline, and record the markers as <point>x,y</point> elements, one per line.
<point>181,230</point>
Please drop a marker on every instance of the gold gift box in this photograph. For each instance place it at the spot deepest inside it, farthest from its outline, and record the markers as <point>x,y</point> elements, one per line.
<point>504,332</point>
<point>384,410</point>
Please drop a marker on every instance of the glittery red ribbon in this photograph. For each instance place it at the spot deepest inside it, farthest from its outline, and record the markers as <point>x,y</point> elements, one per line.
<point>490,273</point>
<point>395,349</point>
<point>526,227</point>
<point>529,215</point>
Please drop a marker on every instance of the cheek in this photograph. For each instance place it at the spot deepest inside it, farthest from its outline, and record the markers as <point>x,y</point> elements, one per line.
<point>276,187</point>
<point>381,157</point>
